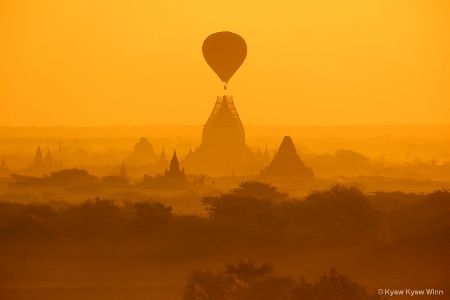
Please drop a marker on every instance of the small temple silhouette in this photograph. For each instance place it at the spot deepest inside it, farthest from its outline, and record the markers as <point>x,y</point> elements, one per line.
<point>38,161</point>
<point>4,170</point>
<point>173,177</point>
<point>41,165</point>
<point>123,172</point>
<point>174,172</point>
<point>162,162</point>
<point>263,157</point>
<point>143,153</point>
<point>287,163</point>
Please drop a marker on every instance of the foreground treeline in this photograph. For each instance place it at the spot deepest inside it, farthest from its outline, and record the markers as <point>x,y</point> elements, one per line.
<point>253,212</point>
<point>340,214</point>
<point>247,280</point>
<point>252,219</point>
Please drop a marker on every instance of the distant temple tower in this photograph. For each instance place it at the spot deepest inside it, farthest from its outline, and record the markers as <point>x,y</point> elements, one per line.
<point>162,158</point>
<point>287,163</point>
<point>161,163</point>
<point>38,161</point>
<point>123,171</point>
<point>143,154</point>
<point>174,177</point>
<point>174,169</point>
<point>48,158</point>
<point>224,128</point>
<point>223,148</point>
<point>41,166</point>
<point>4,170</point>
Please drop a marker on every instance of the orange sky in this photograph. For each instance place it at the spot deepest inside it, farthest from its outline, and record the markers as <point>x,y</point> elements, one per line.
<point>92,62</point>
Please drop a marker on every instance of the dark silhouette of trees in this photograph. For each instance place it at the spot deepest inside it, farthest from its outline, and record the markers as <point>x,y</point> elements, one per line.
<point>73,177</point>
<point>424,221</point>
<point>204,284</point>
<point>268,288</point>
<point>331,286</point>
<point>148,216</point>
<point>96,219</point>
<point>336,216</point>
<point>336,224</point>
<point>251,204</point>
<point>238,208</point>
<point>251,281</point>
<point>259,190</point>
<point>31,222</point>
<point>246,280</point>
<point>246,271</point>
<point>340,214</point>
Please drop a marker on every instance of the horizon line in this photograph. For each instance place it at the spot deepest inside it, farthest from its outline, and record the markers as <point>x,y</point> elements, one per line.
<point>248,124</point>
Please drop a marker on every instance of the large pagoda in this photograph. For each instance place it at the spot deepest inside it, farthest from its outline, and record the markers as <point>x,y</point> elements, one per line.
<point>224,129</point>
<point>223,150</point>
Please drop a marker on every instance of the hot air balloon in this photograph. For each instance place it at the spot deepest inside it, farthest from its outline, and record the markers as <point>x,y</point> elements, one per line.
<point>224,52</point>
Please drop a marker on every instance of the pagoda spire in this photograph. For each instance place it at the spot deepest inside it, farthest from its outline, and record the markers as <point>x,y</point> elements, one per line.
<point>123,171</point>
<point>38,160</point>
<point>174,164</point>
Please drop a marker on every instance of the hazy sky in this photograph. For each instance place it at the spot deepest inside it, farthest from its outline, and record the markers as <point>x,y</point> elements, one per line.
<point>92,62</point>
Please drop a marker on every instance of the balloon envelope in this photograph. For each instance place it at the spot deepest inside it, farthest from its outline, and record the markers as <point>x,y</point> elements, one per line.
<point>224,52</point>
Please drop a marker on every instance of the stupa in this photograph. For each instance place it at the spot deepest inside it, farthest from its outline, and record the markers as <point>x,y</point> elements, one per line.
<point>223,148</point>
<point>287,163</point>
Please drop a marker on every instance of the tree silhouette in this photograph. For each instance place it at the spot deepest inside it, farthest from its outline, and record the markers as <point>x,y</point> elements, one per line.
<point>92,219</point>
<point>150,215</point>
<point>259,190</point>
<point>237,208</point>
<point>247,281</point>
<point>339,214</point>
<point>246,271</point>
<point>331,286</point>
<point>203,284</point>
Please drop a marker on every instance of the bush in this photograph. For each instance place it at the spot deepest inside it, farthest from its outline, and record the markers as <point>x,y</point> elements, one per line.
<point>340,214</point>
<point>331,286</point>
<point>259,190</point>
<point>246,280</point>
<point>423,222</point>
<point>96,219</point>
<point>148,216</point>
